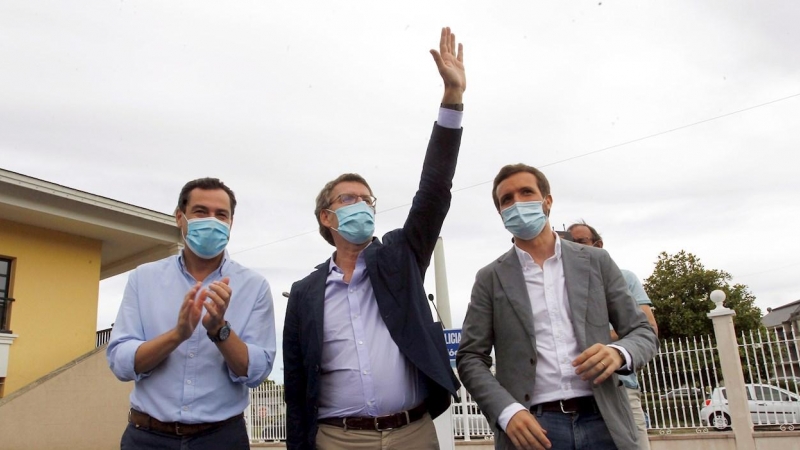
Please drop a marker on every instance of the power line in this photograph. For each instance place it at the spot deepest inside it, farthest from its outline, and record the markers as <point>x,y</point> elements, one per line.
<point>582,155</point>
<point>775,269</point>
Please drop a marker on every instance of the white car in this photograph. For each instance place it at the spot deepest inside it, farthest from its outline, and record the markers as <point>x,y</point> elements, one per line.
<point>769,405</point>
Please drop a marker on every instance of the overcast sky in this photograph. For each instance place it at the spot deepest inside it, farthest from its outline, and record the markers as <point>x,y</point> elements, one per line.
<point>612,100</point>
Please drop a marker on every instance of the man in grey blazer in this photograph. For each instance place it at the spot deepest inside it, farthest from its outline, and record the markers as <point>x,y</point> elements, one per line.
<point>544,307</point>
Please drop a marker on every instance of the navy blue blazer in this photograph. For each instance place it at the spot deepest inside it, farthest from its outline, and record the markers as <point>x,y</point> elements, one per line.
<point>396,268</point>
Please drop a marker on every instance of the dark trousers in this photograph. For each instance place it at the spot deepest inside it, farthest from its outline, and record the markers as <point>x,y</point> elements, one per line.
<point>230,436</point>
<point>576,431</point>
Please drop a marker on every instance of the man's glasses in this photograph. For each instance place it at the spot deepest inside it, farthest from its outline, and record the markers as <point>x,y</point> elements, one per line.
<point>349,199</point>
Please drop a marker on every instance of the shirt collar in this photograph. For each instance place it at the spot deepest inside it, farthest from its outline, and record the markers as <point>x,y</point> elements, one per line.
<point>221,270</point>
<point>359,261</point>
<point>526,260</point>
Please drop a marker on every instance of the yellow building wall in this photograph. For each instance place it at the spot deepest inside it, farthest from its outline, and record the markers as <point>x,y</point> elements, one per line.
<point>55,283</point>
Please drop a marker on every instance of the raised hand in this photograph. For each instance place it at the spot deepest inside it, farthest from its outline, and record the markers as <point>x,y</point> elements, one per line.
<point>451,66</point>
<point>218,294</point>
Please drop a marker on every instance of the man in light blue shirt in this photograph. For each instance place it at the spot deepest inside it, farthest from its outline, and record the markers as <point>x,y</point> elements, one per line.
<point>585,234</point>
<point>191,381</point>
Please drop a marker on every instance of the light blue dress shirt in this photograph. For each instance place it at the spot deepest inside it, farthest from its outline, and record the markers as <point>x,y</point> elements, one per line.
<point>362,371</point>
<point>193,384</point>
<point>637,292</point>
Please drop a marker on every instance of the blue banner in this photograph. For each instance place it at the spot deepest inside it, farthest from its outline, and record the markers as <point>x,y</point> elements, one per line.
<point>451,339</point>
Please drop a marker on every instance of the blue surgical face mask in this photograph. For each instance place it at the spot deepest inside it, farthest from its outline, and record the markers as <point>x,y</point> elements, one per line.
<point>206,237</point>
<point>524,220</point>
<point>356,222</point>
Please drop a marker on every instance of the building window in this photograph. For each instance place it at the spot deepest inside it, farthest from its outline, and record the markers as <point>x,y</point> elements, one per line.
<point>5,300</point>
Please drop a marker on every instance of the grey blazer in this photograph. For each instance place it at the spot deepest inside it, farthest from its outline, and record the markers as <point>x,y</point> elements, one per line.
<point>500,316</point>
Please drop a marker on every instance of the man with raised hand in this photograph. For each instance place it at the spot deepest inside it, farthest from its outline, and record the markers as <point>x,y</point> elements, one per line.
<point>365,364</point>
<point>190,381</point>
<point>544,307</point>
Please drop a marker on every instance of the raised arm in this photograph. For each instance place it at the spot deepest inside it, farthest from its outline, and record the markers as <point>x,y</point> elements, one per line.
<point>432,200</point>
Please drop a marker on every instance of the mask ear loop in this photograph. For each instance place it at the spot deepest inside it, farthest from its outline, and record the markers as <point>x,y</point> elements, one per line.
<point>183,235</point>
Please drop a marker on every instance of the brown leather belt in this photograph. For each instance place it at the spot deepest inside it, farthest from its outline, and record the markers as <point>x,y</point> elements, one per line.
<point>144,421</point>
<point>381,423</point>
<point>576,405</point>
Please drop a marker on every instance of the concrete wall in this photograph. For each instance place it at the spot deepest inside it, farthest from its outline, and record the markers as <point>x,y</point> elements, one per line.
<point>79,406</point>
<point>55,280</point>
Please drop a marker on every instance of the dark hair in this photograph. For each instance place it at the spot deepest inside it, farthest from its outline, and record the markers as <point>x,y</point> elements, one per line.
<point>207,184</point>
<point>511,169</point>
<point>324,200</point>
<point>582,223</point>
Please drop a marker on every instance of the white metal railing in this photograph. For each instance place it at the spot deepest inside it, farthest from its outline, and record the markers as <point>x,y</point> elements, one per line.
<point>676,385</point>
<point>468,421</point>
<point>266,413</point>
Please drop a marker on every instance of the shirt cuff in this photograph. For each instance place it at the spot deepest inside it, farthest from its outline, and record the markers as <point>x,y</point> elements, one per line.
<point>450,118</point>
<point>258,367</point>
<point>627,365</point>
<point>508,413</point>
<point>124,360</point>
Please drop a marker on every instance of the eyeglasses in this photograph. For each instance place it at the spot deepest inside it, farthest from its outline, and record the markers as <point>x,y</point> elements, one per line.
<point>349,199</point>
<point>584,241</point>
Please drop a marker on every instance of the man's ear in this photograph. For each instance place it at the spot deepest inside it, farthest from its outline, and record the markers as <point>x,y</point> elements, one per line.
<point>324,218</point>
<point>598,244</point>
<point>548,202</point>
<point>178,217</point>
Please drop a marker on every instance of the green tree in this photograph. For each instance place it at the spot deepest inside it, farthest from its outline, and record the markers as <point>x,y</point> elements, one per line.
<point>679,288</point>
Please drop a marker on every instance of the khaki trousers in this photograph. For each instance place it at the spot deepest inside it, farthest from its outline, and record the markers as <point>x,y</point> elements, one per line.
<point>635,399</point>
<point>419,435</point>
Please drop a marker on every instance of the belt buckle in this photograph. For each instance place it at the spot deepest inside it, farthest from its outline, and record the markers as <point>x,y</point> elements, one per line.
<point>561,403</point>
<point>178,429</point>
<point>377,428</point>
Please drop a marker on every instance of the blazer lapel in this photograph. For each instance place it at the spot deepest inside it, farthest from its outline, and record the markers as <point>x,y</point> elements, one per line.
<point>509,272</point>
<point>576,277</point>
<point>317,300</point>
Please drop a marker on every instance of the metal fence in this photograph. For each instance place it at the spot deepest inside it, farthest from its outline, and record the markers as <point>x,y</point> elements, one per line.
<point>102,337</point>
<point>266,413</point>
<point>680,384</point>
<point>677,387</point>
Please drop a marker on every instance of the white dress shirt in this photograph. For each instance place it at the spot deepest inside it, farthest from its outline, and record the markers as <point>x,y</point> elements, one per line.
<point>556,345</point>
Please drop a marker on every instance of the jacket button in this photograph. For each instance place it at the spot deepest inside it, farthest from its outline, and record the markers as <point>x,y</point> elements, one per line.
<point>531,361</point>
<point>527,398</point>
<point>316,368</point>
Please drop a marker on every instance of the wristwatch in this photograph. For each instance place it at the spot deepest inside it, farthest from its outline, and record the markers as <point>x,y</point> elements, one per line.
<point>453,106</point>
<point>222,334</point>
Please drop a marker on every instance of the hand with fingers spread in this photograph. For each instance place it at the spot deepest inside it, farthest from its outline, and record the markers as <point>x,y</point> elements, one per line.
<point>598,362</point>
<point>216,298</point>
<point>189,314</point>
<point>451,66</point>
<point>525,432</point>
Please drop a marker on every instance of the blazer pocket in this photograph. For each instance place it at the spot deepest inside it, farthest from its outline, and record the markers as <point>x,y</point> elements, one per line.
<point>597,309</point>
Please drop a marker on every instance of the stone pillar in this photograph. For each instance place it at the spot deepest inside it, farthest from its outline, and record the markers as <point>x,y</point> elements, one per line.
<point>741,422</point>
